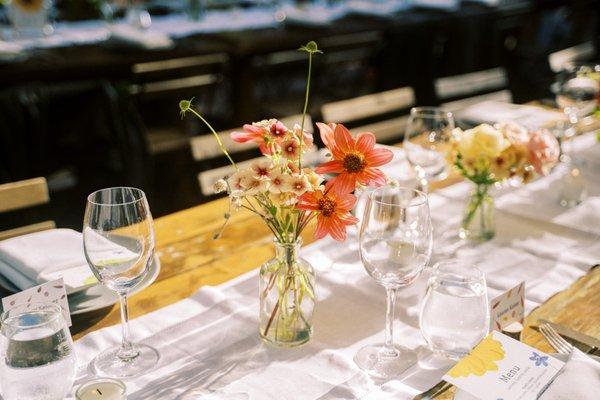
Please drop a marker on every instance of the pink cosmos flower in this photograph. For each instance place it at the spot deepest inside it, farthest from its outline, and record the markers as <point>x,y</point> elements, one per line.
<point>265,134</point>
<point>355,160</point>
<point>333,210</point>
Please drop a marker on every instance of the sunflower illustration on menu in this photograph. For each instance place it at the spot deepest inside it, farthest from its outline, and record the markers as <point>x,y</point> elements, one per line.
<point>29,6</point>
<point>482,359</point>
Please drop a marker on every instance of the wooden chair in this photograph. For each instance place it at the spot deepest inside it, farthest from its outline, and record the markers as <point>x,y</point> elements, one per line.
<point>157,85</point>
<point>24,194</point>
<point>579,53</point>
<point>206,148</point>
<point>460,91</point>
<point>384,113</point>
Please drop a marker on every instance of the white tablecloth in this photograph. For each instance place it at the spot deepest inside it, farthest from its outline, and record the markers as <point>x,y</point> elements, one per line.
<point>209,342</point>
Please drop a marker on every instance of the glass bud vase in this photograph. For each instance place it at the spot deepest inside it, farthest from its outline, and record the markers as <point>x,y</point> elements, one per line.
<point>478,219</point>
<point>287,297</point>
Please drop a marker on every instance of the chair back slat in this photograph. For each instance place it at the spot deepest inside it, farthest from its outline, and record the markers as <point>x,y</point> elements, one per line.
<point>562,58</point>
<point>23,194</point>
<point>471,84</point>
<point>24,230</point>
<point>368,106</point>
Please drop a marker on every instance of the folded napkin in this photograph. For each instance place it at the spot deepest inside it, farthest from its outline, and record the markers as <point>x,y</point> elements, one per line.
<point>38,257</point>
<point>383,9</point>
<point>11,51</point>
<point>316,15</point>
<point>579,379</point>
<point>495,111</point>
<point>125,35</point>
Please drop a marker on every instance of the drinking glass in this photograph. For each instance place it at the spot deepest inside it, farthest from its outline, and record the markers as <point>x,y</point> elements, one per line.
<point>455,314</point>
<point>37,361</point>
<point>427,141</point>
<point>395,245</point>
<point>118,241</point>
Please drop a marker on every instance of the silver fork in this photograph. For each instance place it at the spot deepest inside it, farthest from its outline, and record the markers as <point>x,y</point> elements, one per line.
<point>556,341</point>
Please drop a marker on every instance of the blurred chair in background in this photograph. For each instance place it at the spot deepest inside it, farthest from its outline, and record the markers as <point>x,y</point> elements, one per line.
<point>384,113</point>
<point>24,194</point>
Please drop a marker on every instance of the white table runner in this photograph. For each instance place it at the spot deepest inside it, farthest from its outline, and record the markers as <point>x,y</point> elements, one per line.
<point>209,343</point>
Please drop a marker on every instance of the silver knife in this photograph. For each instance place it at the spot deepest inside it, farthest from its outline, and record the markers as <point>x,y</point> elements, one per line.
<point>575,337</point>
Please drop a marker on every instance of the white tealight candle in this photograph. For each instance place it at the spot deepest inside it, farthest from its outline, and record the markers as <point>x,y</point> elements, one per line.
<point>102,389</point>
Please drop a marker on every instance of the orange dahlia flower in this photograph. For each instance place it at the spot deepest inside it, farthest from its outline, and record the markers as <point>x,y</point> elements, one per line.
<point>355,160</point>
<point>333,211</point>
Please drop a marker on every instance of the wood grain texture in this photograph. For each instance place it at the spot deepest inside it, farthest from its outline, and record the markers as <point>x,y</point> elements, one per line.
<point>23,194</point>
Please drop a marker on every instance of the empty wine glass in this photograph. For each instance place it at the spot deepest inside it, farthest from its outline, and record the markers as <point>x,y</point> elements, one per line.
<point>427,141</point>
<point>118,241</point>
<point>395,245</point>
<point>37,361</point>
<point>577,90</point>
<point>455,314</point>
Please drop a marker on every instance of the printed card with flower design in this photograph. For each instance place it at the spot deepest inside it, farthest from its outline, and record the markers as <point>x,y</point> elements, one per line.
<point>49,292</point>
<point>508,308</point>
<point>503,368</point>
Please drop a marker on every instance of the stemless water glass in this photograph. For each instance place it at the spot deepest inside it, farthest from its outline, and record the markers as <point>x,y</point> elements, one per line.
<point>37,361</point>
<point>455,314</point>
<point>118,241</point>
<point>427,141</point>
<point>395,245</point>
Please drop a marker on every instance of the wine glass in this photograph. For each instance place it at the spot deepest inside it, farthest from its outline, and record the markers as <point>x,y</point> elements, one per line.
<point>455,315</point>
<point>395,245</point>
<point>37,361</point>
<point>118,241</point>
<point>577,90</point>
<point>426,142</point>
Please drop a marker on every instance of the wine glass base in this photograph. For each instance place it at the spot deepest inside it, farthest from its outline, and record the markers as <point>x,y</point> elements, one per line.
<point>373,360</point>
<point>109,364</point>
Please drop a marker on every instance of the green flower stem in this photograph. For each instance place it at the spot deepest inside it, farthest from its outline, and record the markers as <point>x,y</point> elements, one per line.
<point>223,149</point>
<point>310,54</point>
<point>480,195</point>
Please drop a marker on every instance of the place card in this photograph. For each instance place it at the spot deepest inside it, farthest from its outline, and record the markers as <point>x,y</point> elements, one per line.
<point>508,308</point>
<point>503,368</point>
<point>49,292</point>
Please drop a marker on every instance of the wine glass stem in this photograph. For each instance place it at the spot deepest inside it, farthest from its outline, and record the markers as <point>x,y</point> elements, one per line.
<point>127,351</point>
<point>389,349</point>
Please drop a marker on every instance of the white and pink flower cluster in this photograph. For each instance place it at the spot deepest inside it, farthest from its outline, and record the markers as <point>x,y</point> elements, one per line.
<point>277,173</point>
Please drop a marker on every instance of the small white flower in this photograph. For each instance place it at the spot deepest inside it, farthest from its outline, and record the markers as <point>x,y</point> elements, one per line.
<point>262,168</point>
<point>236,181</point>
<point>236,202</point>
<point>220,186</point>
<point>299,184</point>
<point>254,185</point>
<point>280,183</point>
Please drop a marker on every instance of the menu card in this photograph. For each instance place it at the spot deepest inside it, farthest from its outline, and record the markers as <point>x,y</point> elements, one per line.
<point>49,292</point>
<point>503,368</point>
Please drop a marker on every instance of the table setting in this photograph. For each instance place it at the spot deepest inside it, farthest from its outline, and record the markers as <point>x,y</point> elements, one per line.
<point>406,285</point>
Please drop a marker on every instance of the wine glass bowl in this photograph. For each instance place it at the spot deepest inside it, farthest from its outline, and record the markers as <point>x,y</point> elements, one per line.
<point>118,239</point>
<point>427,141</point>
<point>395,245</point>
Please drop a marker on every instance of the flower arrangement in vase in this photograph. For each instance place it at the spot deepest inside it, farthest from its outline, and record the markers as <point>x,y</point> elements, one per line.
<point>487,155</point>
<point>288,195</point>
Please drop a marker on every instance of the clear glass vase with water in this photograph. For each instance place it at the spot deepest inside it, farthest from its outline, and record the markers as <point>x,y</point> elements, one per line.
<point>37,361</point>
<point>455,313</point>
